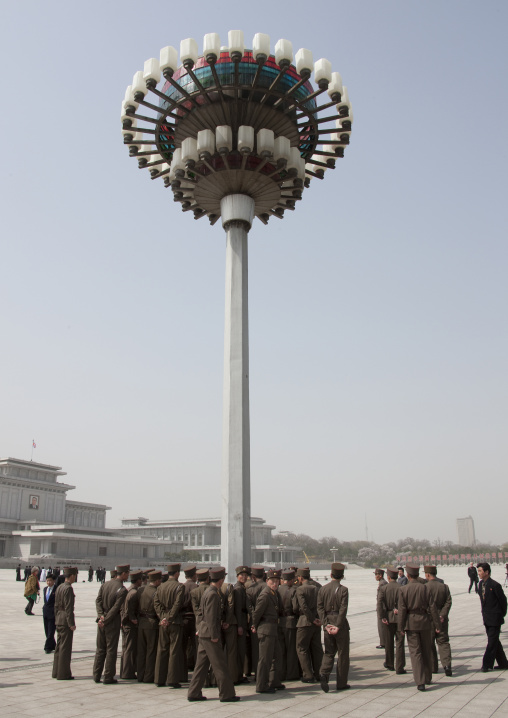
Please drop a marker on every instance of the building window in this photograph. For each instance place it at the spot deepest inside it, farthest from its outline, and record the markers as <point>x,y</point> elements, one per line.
<point>145,552</point>
<point>207,557</point>
<point>53,547</point>
<point>103,550</point>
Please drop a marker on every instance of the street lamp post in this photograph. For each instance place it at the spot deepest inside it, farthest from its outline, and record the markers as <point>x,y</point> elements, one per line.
<point>334,551</point>
<point>236,134</point>
<point>281,549</point>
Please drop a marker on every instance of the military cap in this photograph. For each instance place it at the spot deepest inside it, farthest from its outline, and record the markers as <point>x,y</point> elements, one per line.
<point>288,575</point>
<point>293,568</point>
<point>189,571</point>
<point>135,575</point>
<point>273,574</point>
<point>123,569</point>
<point>70,571</point>
<point>154,575</point>
<point>243,569</point>
<point>173,567</point>
<point>338,570</point>
<point>379,571</point>
<point>217,573</point>
<point>257,571</point>
<point>392,571</point>
<point>113,573</point>
<point>164,577</point>
<point>430,569</point>
<point>303,572</point>
<point>202,574</point>
<point>278,571</point>
<point>412,570</point>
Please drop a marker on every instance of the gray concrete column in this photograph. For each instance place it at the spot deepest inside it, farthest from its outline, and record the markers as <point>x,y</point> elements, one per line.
<point>237,213</point>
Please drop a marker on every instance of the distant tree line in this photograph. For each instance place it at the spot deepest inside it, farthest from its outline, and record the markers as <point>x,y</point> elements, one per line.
<point>368,553</point>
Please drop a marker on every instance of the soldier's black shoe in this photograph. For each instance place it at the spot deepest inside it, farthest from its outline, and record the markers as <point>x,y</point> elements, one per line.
<point>448,671</point>
<point>343,688</point>
<point>497,668</point>
<point>309,680</point>
<point>174,685</point>
<point>268,690</point>
<point>96,680</point>
<point>282,687</point>
<point>70,678</point>
<point>323,680</point>
<point>484,669</point>
<point>110,683</point>
<point>233,699</point>
<point>421,687</point>
<point>380,646</point>
<point>197,698</point>
<point>388,668</point>
<point>400,673</point>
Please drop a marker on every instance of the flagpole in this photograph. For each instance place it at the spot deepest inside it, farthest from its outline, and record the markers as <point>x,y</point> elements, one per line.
<point>32,454</point>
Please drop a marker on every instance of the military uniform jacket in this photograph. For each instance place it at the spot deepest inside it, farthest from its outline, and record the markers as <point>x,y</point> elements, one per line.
<point>494,603</point>
<point>417,608</point>
<point>168,601</point>
<point>287,614</point>
<point>64,605</point>
<point>333,602</point>
<point>211,611</point>
<point>441,595</point>
<point>197,600</point>
<point>129,611</point>
<point>110,600</point>
<point>252,595</point>
<point>265,617</point>
<point>305,604</point>
<point>228,604</point>
<point>240,604</point>
<point>188,587</point>
<point>387,601</point>
<point>146,610</point>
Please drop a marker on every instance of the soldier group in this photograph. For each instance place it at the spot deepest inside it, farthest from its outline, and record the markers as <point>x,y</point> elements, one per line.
<point>267,624</point>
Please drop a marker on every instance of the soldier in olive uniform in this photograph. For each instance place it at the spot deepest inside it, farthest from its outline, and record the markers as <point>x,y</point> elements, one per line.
<point>264,623</point>
<point>189,621</point>
<point>203,576</point>
<point>387,610</point>
<point>308,627</point>
<point>242,623</point>
<point>65,626</point>
<point>379,576</point>
<point>258,584</point>
<point>129,623</point>
<point>148,630</point>
<point>333,601</point>
<point>210,652</point>
<point>109,604</point>
<point>417,613</point>
<point>290,670</point>
<point>230,628</point>
<point>168,604</point>
<point>443,600</point>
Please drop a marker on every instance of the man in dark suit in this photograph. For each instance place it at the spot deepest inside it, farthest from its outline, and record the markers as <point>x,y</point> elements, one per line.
<point>473,577</point>
<point>493,601</point>
<point>48,613</point>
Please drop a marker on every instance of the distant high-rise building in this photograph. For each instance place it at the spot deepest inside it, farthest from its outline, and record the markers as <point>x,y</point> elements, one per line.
<point>465,530</point>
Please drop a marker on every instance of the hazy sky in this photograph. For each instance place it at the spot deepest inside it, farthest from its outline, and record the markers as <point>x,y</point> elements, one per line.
<point>378,309</point>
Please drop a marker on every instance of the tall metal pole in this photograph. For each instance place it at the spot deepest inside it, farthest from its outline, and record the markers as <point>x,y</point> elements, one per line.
<point>237,213</point>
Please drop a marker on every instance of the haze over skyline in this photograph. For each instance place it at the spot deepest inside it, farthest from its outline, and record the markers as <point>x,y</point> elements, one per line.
<point>378,309</point>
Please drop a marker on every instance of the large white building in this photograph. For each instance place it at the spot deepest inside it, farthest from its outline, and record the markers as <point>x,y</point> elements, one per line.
<point>465,530</point>
<point>39,524</point>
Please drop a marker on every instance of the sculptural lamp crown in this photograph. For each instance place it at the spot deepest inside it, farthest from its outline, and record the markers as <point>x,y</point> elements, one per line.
<point>236,134</point>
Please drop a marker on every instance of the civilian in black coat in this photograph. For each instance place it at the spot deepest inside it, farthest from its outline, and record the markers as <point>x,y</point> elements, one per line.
<point>473,577</point>
<point>493,601</point>
<point>48,614</point>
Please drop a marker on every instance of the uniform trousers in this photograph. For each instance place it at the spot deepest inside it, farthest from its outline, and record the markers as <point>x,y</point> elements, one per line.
<point>309,650</point>
<point>420,650</point>
<point>443,645</point>
<point>168,665</point>
<point>63,653</point>
<point>337,644</point>
<point>107,650</point>
<point>211,654</point>
<point>49,630</point>
<point>394,635</point>
<point>230,636</point>
<point>475,581</point>
<point>254,652</point>
<point>241,652</point>
<point>189,640</point>
<point>290,670</point>
<point>148,634</point>
<point>269,662</point>
<point>381,629</point>
<point>494,650</point>
<point>128,661</point>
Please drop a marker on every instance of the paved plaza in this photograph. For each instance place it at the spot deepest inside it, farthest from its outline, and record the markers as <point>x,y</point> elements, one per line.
<point>27,688</point>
